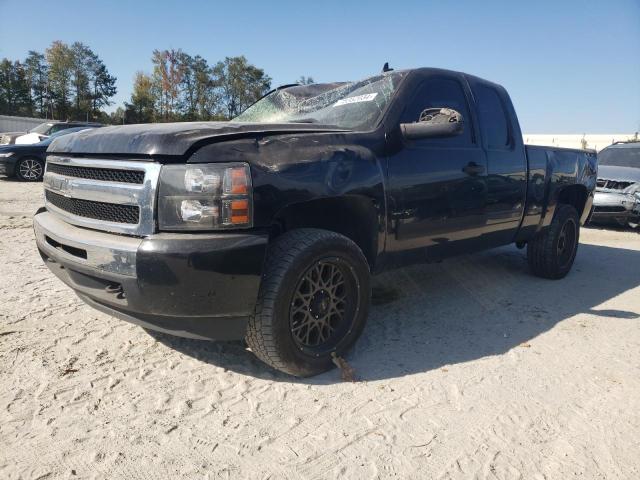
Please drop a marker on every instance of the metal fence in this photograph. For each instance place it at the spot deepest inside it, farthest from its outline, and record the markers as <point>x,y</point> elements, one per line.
<point>18,124</point>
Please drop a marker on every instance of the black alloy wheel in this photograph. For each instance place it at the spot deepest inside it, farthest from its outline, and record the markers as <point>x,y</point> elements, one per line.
<point>566,243</point>
<point>551,253</point>
<point>313,301</point>
<point>323,306</point>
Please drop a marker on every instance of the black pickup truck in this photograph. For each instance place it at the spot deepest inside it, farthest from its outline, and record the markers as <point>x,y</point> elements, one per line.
<point>269,227</point>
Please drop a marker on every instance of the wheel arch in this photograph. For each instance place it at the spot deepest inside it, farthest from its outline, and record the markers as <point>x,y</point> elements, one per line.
<point>575,195</point>
<point>354,216</point>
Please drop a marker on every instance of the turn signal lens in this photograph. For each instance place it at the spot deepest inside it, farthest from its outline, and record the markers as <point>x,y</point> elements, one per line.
<point>237,211</point>
<point>235,181</point>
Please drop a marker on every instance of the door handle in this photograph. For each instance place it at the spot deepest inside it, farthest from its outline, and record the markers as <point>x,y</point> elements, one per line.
<point>472,168</point>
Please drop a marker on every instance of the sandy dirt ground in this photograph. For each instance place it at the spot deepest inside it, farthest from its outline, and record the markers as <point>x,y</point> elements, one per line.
<point>467,369</point>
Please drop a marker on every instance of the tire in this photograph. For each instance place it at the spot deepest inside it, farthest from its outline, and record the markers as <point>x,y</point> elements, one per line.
<point>30,169</point>
<point>551,253</point>
<point>303,314</point>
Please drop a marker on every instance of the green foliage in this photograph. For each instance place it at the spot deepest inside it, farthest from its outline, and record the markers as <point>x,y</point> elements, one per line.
<point>61,63</point>
<point>117,117</point>
<point>168,71</point>
<point>199,98</point>
<point>239,83</point>
<point>14,91</point>
<point>185,88</point>
<point>37,79</point>
<point>70,82</point>
<point>103,86</point>
<point>305,80</point>
<point>141,108</point>
<point>66,82</point>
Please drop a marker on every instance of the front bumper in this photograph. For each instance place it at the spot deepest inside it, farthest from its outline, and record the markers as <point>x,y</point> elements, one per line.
<point>614,207</point>
<point>8,166</point>
<point>191,285</point>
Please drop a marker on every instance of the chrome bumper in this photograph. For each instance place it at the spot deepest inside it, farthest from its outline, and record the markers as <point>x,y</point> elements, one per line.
<point>100,251</point>
<point>624,201</point>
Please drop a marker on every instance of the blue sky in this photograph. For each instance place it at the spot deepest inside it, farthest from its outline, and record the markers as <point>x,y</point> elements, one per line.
<point>570,66</point>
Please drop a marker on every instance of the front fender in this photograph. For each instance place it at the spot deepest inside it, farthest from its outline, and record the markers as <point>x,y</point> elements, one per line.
<point>292,169</point>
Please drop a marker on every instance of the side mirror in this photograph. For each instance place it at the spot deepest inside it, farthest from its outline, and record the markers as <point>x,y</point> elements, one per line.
<point>434,123</point>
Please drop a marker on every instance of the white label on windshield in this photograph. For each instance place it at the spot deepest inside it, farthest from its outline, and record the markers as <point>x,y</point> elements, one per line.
<point>357,99</point>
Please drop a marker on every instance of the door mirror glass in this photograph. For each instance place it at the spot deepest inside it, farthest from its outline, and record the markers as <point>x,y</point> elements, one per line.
<point>434,123</point>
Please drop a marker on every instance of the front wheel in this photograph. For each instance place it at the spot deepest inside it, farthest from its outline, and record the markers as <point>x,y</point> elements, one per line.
<point>551,253</point>
<point>313,301</point>
<point>30,170</point>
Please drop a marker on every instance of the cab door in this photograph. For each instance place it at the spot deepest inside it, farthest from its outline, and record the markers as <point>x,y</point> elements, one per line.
<point>437,186</point>
<point>506,163</point>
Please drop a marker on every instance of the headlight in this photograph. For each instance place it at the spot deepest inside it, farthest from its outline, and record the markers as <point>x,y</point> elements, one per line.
<point>5,155</point>
<point>205,196</point>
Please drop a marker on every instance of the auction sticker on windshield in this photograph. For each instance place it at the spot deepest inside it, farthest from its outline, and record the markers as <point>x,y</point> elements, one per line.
<point>357,99</point>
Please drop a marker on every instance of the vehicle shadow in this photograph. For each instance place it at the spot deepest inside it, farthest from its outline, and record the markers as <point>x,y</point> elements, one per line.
<point>428,316</point>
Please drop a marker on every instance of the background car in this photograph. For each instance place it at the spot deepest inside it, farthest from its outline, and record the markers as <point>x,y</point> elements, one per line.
<point>26,162</point>
<point>46,129</point>
<point>9,138</point>
<point>617,198</point>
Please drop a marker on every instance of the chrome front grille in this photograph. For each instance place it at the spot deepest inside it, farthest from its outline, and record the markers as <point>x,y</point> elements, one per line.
<point>109,212</point>
<point>110,195</point>
<point>104,174</point>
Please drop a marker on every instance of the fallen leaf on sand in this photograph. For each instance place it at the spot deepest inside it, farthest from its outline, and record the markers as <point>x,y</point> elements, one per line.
<point>68,367</point>
<point>348,373</point>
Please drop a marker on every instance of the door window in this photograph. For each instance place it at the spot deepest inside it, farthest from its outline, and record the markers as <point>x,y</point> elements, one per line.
<point>442,92</point>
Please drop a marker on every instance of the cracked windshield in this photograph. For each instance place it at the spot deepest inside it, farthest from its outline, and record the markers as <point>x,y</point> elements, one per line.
<point>351,105</point>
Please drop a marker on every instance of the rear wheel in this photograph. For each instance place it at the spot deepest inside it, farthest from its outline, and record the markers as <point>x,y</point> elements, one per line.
<point>313,301</point>
<point>551,254</point>
<point>30,169</point>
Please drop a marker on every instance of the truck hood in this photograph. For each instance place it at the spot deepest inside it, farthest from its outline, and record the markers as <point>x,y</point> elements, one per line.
<point>620,174</point>
<point>173,139</point>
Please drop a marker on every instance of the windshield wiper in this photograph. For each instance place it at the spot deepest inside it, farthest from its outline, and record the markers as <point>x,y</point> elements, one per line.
<point>303,120</point>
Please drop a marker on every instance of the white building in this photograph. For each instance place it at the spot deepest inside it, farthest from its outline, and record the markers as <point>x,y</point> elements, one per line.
<point>593,141</point>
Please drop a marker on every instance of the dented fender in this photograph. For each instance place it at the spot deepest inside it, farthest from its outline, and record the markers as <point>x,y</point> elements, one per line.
<point>294,169</point>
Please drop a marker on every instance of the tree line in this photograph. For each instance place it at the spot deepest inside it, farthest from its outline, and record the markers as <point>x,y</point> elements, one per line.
<point>66,82</point>
<point>71,82</point>
<point>182,87</point>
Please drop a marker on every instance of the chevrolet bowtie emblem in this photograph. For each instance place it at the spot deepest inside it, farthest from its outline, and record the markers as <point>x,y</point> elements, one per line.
<point>61,185</point>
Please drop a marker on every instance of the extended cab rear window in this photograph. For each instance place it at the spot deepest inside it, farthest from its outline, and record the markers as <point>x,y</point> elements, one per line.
<point>493,118</point>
